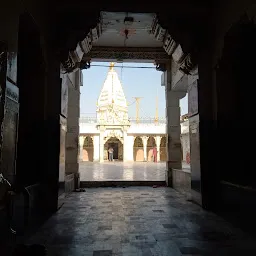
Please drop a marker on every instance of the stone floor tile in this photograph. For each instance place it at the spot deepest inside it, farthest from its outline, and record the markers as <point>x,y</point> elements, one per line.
<point>169,225</point>
<point>102,253</point>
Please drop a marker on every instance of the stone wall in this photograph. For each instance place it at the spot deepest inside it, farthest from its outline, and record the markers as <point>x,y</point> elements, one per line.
<point>185,146</point>
<point>182,181</point>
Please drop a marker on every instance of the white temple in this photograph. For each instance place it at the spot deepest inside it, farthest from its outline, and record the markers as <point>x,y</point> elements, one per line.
<point>132,140</point>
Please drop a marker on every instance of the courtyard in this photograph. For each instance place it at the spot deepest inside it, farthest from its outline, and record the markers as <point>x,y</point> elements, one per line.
<point>123,171</point>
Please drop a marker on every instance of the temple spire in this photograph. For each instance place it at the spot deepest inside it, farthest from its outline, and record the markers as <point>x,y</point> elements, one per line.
<point>112,105</point>
<point>111,66</point>
<point>112,90</point>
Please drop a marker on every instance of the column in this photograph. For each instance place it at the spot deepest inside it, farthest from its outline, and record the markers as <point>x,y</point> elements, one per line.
<point>73,151</point>
<point>145,141</point>
<point>81,147</point>
<point>52,145</point>
<point>173,132</point>
<point>101,145</point>
<point>125,146</point>
<point>96,142</point>
<point>158,141</point>
<point>130,144</point>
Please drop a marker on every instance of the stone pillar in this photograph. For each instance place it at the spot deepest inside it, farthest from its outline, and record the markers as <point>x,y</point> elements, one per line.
<point>101,149</point>
<point>81,147</point>
<point>145,141</point>
<point>158,141</point>
<point>129,152</point>
<point>50,183</point>
<point>96,143</point>
<point>126,145</point>
<point>72,135</point>
<point>173,131</point>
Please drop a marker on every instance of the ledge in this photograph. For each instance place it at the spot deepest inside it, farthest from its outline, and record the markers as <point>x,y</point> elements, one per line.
<point>95,184</point>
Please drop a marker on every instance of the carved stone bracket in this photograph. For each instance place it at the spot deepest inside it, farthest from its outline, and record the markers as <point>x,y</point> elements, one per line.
<point>187,65</point>
<point>161,66</point>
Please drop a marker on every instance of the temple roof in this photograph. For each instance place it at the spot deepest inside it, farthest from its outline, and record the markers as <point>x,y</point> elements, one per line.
<point>112,91</point>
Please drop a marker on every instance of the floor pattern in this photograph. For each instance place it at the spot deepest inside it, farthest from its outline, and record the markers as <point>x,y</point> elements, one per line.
<point>139,221</point>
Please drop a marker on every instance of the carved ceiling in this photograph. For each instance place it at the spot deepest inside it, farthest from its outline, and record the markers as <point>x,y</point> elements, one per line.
<point>177,23</point>
<point>150,35</point>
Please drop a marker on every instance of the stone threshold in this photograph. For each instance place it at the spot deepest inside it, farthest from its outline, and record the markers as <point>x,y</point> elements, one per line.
<point>187,170</point>
<point>115,183</point>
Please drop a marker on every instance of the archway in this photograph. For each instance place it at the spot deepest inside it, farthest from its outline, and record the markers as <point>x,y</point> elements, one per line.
<point>163,155</point>
<point>150,144</point>
<point>117,145</point>
<point>88,149</point>
<point>138,152</point>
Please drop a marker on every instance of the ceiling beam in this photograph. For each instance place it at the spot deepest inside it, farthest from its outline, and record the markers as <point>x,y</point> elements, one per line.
<point>127,53</point>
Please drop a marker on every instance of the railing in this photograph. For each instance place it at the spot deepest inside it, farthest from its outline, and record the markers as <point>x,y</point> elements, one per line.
<point>143,120</point>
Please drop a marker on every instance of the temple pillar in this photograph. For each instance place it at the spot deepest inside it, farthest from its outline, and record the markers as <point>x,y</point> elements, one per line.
<point>101,144</point>
<point>72,89</point>
<point>145,141</point>
<point>174,155</point>
<point>96,142</point>
<point>125,146</point>
<point>173,129</point>
<point>73,81</point>
<point>158,141</point>
<point>81,147</point>
<point>130,144</point>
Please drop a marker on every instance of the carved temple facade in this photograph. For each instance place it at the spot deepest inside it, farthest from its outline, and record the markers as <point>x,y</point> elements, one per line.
<point>131,141</point>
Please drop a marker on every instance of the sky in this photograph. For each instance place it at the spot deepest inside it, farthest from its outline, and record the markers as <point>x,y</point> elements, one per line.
<point>136,82</point>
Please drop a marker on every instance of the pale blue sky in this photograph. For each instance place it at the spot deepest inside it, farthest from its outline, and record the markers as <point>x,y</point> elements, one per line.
<point>137,82</point>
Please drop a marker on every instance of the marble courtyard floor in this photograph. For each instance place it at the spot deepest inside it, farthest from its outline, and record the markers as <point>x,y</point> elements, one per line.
<point>120,171</point>
<point>117,171</point>
<point>138,221</point>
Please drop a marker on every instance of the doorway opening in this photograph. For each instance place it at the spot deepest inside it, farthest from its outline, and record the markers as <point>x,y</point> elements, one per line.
<point>117,147</point>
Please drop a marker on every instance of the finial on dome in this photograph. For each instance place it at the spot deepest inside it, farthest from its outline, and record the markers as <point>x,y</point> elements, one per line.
<point>111,67</point>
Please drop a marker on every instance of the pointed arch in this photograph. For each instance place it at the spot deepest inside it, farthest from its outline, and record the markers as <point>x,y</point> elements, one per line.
<point>150,144</point>
<point>88,149</point>
<point>117,145</point>
<point>138,153</point>
<point>163,149</point>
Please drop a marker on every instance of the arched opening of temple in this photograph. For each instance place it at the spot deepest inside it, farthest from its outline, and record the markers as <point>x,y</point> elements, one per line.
<point>88,149</point>
<point>138,152</point>
<point>151,143</point>
<point>117,146</point>
<point>163,149</point>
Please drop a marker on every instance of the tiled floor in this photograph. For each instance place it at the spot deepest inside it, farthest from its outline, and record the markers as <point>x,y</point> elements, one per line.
<point>139,221</point>
<point>109,171</point>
